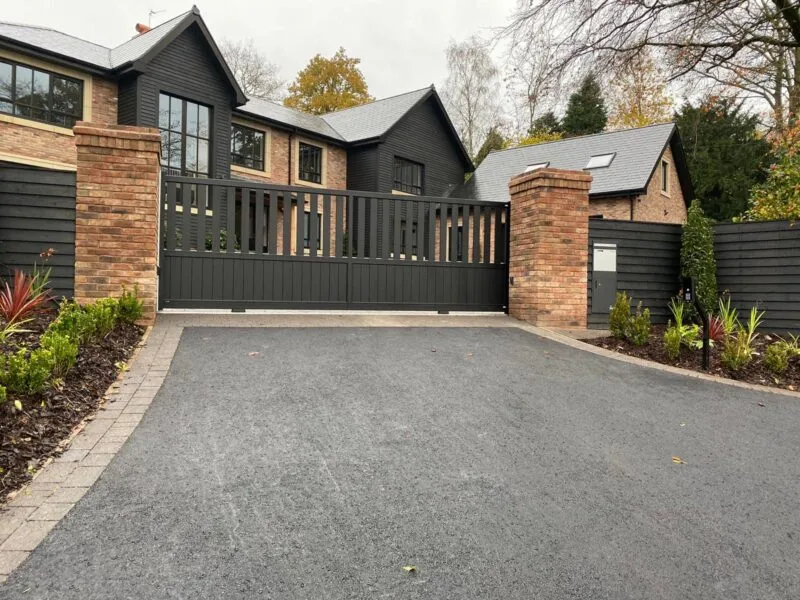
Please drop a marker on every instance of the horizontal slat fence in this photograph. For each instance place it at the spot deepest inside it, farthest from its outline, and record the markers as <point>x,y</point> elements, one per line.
<point>238,244</point>
<point>759,265</point>
<point>37,212</point>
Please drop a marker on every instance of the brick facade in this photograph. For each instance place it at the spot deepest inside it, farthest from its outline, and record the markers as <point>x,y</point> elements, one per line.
<point>549,238</point>
<point>116,212</point>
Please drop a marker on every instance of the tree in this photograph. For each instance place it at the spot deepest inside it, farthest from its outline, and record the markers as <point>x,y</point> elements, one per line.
<point>257,76</point>
<point>586,111</point>
<point>328,84</point>
<point>540,137</point>
<point>779,196</point>
<point>639,95</point>
<point>547,123</point>
<point>697,256</point>
<point>494,141</point>
<point>470,92</point>
<point>725,152</point>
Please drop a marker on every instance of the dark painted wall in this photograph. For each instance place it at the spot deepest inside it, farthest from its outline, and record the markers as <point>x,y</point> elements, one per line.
<point>126,100</point>
<point>187,68</point>
<point>648,264</point>
<point>759,264</point>
<point>37,212</point>
<point>362,168</point>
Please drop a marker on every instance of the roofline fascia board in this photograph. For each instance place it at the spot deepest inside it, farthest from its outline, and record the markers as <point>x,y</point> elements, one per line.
<point>617,194</point>
<point>54,57</point>
<point>683,166</point>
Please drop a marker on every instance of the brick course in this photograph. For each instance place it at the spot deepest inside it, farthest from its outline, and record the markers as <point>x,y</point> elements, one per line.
<point>116,216</point>
<point>549,237</point>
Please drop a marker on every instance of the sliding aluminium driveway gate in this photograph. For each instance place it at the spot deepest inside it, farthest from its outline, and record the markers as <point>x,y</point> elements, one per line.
<point>238,245</point>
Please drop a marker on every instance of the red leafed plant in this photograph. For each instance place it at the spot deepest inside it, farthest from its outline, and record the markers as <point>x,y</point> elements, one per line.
<point>21,301</point>
<point>716,330</point>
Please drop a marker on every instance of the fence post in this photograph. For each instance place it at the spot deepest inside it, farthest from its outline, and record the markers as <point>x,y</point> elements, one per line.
<point>548,250</point>
<point>116,216</point>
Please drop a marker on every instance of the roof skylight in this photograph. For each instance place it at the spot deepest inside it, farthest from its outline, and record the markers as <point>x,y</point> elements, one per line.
<point>600,160</point>
<point>536,166</point>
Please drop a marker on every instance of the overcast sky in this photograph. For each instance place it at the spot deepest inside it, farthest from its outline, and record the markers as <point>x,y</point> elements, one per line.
<point>401,43</point>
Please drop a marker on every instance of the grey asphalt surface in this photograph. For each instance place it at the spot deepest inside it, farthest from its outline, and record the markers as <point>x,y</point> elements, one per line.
<point>501,465</point>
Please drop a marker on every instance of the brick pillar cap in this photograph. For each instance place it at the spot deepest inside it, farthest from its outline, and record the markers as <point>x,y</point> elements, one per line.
<point>123,132</point>
<point>580,180</point>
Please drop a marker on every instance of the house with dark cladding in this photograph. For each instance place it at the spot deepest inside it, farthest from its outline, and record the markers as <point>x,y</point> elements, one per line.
<point>637,174</point>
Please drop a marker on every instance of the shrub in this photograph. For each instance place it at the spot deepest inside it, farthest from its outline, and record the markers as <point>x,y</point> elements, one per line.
<point>778,198</point>
<point>620,315</point>
<point>739,347</point>
<point>130,307</point>
<point>672,341</point>
<point>64,350</point>
<point>776,358</point>
<point>697,256</point>
<point>25,373</point>
<point>20,302</point>
<point>103,314</point>
<point>73,322</point>
<point>716,329</point>
<point>3,394</point>
<point>728,316</point>
<point>638,330</point>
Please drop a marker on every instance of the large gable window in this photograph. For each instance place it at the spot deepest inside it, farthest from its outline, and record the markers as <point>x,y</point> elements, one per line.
<point>40,95</point>
<point>185,136</point>
<point>309,163</point>
<point>247,147</point>
<point>407,177</point>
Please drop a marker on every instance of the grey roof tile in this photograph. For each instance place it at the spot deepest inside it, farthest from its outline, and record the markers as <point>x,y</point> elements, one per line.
<point>139,45</point>
<point>637,151</point>
<point>288,116</point>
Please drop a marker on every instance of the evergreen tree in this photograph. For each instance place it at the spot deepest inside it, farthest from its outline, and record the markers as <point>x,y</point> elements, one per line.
<point>547,123</point>
<point>697,256</point>
<point>586,111</point>
<point>494,141</point>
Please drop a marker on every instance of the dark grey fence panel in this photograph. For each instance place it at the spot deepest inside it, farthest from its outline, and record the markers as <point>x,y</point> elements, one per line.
<point>37,212</point>
<point>759,265</point>
<point>648,264</point>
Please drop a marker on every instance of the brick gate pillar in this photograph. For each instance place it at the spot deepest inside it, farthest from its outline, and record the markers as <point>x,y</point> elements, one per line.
<point>549,247</point>
<point>116,212</point>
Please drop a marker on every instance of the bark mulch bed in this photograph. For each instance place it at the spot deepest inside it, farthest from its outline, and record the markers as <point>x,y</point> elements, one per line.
<point>29,437</point>
<point>691,358</point>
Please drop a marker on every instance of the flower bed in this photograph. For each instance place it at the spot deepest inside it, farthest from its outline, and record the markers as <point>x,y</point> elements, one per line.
<point>55,366</point>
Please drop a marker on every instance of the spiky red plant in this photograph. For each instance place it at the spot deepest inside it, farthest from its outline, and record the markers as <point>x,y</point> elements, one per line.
<point>20,301</point>
<point>716,330</point>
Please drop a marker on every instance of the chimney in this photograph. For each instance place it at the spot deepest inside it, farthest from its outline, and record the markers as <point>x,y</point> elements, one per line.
<point>142,28</point>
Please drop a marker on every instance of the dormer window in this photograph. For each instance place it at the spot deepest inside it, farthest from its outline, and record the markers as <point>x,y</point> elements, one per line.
<point>600,161</point>
<point>536,166</point>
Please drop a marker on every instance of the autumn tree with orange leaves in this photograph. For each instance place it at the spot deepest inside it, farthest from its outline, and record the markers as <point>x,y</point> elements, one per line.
<point>328,84</point>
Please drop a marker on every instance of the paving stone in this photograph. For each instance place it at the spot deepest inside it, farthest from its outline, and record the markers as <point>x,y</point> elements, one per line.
<point>96,426</point>
<point>130,417</point>
<point>110,447</point>
<point>51,511</point>
<point>55,472</point>
<point>43,486</point>
<point>9,561</point>
<point>27,536</point>
<point>96,459</point>
<point>72,455</point>
<point>12,518</point>
<point>85,442</point>
<point>83,477</point>
<point>29,497</point>
<point>111,414</point>
<point>134,410</point>
<point>68,495</point>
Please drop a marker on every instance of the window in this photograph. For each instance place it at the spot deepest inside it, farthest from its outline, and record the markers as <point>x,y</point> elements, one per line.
<point>307,230</point>
<point>413,237</point>
<point>185,136</point>
<point>536,166</point>
<point>247,147</point>
<point>40,95</point>
<point>309,163</point>
<point>407,176</point>
<point>600,160</point>
<point>664,177</point>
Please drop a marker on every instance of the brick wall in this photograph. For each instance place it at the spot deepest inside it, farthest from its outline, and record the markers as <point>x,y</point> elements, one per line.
<point>618,207</point>
<point>655,206</point>
<point>549,237</point>
<point>116,212</point>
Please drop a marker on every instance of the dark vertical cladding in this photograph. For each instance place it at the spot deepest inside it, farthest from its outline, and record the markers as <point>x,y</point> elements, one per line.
<point>126,102</point>
<point>188,69</point>
<point>37,212</point>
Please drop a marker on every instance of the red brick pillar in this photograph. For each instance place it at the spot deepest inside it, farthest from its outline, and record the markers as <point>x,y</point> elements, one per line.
<point>549,247</point>
<point>116,212</point>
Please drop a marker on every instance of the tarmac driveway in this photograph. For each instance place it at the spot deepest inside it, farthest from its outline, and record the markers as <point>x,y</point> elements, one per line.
<point>499,464</point>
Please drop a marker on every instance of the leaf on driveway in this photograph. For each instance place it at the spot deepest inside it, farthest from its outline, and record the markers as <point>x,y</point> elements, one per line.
<point>761,404</point>
<point>410,568</point>
<point>678,460</point>
<point>253,353</point>
<point>683,424</point>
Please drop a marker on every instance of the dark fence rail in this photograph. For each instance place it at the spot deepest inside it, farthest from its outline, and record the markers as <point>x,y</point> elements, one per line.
<point>759,265</point>
<point>37,212</point>
<point>327,248</point>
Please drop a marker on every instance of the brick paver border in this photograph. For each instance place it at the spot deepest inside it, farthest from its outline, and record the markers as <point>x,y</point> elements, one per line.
<point>55,489</point>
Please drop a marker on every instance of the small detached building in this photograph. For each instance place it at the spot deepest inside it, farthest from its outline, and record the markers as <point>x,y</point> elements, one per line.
<point>637,174</point>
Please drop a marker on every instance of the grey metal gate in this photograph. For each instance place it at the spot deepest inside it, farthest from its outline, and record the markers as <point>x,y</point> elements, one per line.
<point>236,244</point>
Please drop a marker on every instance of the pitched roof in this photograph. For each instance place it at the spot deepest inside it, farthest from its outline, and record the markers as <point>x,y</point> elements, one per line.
<point>273,111</point>
<point>636,152</point>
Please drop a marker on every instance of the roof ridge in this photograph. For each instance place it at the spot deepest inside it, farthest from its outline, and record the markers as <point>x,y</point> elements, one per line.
<point>180,16</point>
<point>44,28</point>
<point>336,112</point>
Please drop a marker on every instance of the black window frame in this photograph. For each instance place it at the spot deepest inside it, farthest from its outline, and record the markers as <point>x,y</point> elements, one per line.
<point>664,176</point>
<point>12,100</point>
<point>249,162</point>
<point>408,185</point>
<point>184,136</point>
<point>309,168</point>
<point>307,228</point>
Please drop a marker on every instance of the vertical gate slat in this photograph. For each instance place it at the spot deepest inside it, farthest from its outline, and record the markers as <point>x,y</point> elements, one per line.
<point>421,230</point>
<point>398,207</point>
<point>312,225</point>
<point>272,225</point>
<point>350,224</point>
<point>409,227</point>
<point>326,225</point>
<point>499,246</point>
<point>244,210</point>
<point>465,234</point>
<point>186,231</point>
<point>215,217</point>
<point>172,193</point>
<point>454,233</point>
<point>230,219</point>
<point>487,234</point>
<point>476,234</point>
<point>300,211</point>
<point>386,206</point>
<point>258,227</point>
<point>373,228</point>
<point>337,251</point>
<point>362,227</point>
<point>443,232</point>
<point>287,223</point>
<point>202,195</point>
<point>431,232</point>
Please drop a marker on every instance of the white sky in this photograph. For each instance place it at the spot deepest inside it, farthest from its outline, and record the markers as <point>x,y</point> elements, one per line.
<point>401,43</point>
